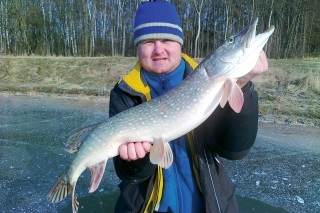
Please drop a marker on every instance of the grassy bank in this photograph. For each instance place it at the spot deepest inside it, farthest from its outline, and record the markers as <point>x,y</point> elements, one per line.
<point>289,91</point>
<point>88,76</point>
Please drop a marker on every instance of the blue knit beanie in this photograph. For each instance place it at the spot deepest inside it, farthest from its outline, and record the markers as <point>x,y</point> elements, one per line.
<point>156,20</point>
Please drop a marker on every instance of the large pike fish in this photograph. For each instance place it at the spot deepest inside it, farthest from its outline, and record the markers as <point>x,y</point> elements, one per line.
<point>167,117</point>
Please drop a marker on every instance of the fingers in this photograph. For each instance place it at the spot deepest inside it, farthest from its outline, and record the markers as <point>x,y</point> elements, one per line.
<point>134,151</point>
<point>123,151</point>
<point>147,146</point>
<point>260,67</point>
<point>264,60</point>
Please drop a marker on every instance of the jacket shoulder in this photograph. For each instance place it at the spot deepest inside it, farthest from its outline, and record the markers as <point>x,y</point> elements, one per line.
<point>135,84</point>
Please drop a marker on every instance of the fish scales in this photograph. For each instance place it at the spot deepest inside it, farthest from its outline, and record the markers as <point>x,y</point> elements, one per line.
<point>163,117</point>
<point>167,117</point>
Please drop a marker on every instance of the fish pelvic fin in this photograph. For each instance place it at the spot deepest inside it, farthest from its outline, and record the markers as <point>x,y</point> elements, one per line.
<point>97,171</point>
<point>227,89</point>
<point>60,189</point>
<point>236,98</point>
<point>161,153</point>
<point>76,139</point>
<point>233,94</point>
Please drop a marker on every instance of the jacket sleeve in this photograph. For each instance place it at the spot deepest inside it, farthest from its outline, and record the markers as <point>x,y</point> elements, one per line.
<point>231,134</point>
<point>129,171</point>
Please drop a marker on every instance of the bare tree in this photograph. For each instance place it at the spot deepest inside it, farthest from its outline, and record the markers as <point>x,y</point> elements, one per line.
<point>92,27</point>
<point>198,6</point>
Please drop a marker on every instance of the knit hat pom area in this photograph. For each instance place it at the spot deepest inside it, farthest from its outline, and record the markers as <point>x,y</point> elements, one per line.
<point>157,19</point>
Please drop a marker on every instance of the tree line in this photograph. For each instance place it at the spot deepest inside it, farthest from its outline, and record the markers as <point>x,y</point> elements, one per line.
<point>104,27</point>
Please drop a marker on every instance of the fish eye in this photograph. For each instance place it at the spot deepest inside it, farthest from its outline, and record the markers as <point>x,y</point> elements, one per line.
<point>231,40</point>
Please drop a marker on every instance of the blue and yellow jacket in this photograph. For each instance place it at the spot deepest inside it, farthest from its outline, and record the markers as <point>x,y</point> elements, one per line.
<point>225,133</point>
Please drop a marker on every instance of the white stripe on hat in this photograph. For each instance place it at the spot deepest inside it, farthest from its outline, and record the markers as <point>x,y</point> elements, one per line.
<point>157,24</point>
<point>159,36</point>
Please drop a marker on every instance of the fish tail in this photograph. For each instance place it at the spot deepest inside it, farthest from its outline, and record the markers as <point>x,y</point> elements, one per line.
<point>75,203</point>
<point>60,190</point>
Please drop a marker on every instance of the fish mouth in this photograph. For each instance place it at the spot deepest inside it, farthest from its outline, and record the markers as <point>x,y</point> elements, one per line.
<point>238,55</point>
<point>249,39</point>
<point>250,35</point>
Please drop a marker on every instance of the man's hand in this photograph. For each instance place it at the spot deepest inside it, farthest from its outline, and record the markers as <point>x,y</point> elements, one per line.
<point>134,151</point>
<point>260,67</point>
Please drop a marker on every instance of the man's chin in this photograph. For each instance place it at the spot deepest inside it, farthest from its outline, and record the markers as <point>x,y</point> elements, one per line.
<point>161,70</point>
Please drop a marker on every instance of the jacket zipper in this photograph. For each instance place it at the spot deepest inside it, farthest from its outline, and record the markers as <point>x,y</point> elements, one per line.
<point>163,81</point>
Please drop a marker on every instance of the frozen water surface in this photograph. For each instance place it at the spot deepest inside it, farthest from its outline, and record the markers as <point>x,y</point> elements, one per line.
<point>33,131</point>
<point>282,169</point>
<point>281,173</point>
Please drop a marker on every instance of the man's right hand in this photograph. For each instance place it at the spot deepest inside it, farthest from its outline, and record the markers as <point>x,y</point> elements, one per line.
<point>133,151</point>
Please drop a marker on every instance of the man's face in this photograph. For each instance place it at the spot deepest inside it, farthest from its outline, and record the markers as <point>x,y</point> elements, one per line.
<point>159,55</point>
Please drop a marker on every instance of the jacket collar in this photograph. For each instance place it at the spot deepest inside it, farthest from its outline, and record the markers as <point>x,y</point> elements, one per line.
<point>135,84</point>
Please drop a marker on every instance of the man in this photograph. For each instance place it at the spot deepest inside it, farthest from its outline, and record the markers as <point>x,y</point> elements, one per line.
<point>196,181</point>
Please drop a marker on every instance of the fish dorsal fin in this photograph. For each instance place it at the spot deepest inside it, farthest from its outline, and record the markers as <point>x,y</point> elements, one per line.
<point>76,139</point>
<point>161,153</point>
<point>97,171</point>
<point>236,98</point>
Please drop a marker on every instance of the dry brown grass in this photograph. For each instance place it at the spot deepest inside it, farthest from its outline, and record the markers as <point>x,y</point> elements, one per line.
<point>289,91</point>
<point>88,76</point>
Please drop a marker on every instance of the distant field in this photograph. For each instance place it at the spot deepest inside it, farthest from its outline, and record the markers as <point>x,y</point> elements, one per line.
<point>289,91</point>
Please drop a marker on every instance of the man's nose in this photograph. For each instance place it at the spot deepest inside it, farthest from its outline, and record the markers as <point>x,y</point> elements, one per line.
<point>158,47</point>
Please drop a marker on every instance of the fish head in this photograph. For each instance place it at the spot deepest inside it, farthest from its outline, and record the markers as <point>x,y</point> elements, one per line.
<point>239,53</point>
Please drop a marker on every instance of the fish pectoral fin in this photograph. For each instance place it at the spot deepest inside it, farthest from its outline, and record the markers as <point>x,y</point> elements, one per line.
<point>161,154</point>
<point>168,157</point>
<point>236,98</point>
<point>75,140</point>
<point>60,189</point>
<point>97,171</point>
<point>157,151</point>
<point>227,89</point>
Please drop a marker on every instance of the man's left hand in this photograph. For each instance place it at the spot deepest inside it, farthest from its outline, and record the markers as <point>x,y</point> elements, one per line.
<point>260,67</point>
